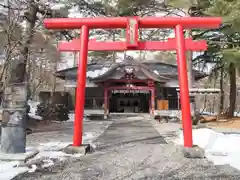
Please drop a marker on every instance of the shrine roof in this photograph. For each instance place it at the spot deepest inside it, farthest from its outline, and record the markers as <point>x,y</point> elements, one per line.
<point>130,64</point>
<point>153,69</point>
<point>171,70</point>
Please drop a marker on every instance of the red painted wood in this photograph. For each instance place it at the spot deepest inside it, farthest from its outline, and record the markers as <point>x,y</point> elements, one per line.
<point>183,83</point>
<point>152,100</point>
<point>105,102</point>
<point>169,45</point>
<point>143,22</point>
<point>80,91</point>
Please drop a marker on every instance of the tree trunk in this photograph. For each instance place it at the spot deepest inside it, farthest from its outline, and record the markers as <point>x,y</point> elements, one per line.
<point>114,56</point>
<point>221,107</point>
<point>54,81</point>
<point>232,96</point>
<point>13,138</point>
<point>190,76</point>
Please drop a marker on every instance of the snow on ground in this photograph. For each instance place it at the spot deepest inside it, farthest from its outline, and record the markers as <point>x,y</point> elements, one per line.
<point>33,108</point>
<point>8,170</point>
<point>48,154</point>
<point>71,117</point>
<point>49,142</point>
<point>219,148</point>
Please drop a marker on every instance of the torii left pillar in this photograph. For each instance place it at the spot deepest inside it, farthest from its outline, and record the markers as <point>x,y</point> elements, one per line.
<point>81,82</point>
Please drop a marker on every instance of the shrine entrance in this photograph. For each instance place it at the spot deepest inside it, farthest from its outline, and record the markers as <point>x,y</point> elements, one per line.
<point>127,101</point>
<point>132,25</point>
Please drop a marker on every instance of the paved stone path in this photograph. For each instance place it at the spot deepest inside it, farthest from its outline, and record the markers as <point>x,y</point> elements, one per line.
<point>132,149</point>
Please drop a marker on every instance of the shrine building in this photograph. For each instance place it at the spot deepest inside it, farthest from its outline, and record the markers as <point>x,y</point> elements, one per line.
<point>129,86</point>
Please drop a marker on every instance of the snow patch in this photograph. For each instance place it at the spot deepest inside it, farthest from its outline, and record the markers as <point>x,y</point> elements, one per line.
<point>135,118</point>
<point>57,6</point>
<point>204,138</point>
<point>156,72</point>
<point>9,170</point>
<point>33,108</point>
<point>219,148</point>
<point>96,73</point>
<point>71,117</point>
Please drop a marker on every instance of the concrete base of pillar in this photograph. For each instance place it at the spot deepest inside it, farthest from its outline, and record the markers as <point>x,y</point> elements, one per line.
<point>83,149</point>
<point>74,149</point>
<point>194,152</point>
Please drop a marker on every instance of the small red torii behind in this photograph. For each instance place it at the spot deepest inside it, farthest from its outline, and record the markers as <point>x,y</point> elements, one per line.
<point>132,25</point>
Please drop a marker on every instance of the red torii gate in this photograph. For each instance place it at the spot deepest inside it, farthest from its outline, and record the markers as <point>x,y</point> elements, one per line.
<point>132,24</point>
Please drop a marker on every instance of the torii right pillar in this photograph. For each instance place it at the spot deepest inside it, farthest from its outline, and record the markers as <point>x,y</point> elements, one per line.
<point>183,83</point>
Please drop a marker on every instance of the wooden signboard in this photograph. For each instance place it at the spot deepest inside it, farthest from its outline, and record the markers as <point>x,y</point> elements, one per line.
<point>162,104</point>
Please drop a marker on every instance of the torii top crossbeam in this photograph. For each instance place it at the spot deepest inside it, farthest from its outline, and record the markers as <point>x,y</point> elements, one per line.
<point>143,22</point>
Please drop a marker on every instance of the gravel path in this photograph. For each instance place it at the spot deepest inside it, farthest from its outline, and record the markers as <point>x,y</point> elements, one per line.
<point>131,148</point>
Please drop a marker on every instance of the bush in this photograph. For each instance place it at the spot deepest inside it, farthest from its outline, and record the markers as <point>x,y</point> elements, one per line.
<point>48,111</point>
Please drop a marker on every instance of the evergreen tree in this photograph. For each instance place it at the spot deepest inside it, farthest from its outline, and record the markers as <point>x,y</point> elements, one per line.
<point>227,41</point>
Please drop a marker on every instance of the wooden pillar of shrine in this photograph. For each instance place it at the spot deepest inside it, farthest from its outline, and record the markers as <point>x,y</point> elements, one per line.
<point>151,85</point>
<point>152,101</point>
<point>105,103</point>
